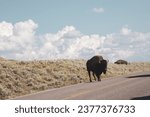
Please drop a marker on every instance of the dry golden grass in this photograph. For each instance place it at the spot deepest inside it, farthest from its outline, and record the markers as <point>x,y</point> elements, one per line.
<point>24,77</point>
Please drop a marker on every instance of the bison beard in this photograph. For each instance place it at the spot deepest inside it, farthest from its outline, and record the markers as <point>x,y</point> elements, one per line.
<point>97,66</point>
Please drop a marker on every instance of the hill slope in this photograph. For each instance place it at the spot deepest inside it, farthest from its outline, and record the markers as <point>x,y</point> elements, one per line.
<point>24,77</point>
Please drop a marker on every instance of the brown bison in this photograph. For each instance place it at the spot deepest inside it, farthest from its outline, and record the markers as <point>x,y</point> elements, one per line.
<point>121,62</point>
<point>97,65</point>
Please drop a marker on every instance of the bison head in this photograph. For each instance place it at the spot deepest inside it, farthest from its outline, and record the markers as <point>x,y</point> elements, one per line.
<point>101,67</point>
<point>104,66</point>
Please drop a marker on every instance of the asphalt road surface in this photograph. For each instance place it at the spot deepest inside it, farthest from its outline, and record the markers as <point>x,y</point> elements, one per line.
<point>135,86</point>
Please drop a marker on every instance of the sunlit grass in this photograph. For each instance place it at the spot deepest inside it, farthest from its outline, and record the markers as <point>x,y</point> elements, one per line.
<point>23,77</point>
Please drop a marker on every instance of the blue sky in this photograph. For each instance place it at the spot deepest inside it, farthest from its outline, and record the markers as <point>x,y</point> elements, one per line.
<point>52,15</point>
<point>43,29</point>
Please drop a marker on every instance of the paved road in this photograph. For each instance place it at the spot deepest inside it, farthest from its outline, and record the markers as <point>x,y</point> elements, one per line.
<point>135,86</point>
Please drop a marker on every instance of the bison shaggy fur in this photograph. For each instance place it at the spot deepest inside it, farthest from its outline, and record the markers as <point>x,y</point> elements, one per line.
<point>97,65</point>
<point>121,62</point>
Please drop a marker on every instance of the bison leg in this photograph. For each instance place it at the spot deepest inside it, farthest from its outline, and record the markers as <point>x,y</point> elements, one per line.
<point>94,76</point>
<point>98,77</point>
<point>90,76</point>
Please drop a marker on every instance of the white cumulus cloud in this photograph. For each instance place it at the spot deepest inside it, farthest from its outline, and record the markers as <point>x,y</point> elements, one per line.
<point>125,31</point>
<point>98,10</point>
<point>128,44</point>
<point>6,29</point>
<point>19,41</point>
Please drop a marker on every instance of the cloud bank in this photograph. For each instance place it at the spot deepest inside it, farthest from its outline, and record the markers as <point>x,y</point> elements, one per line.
<point>20,41</point>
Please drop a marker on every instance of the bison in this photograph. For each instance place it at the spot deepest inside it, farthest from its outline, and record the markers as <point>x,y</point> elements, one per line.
<point>97,65</point>
<point>121,62</point>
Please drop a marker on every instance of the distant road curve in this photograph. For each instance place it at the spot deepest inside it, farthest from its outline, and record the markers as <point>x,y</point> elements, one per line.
<point>135,86</point>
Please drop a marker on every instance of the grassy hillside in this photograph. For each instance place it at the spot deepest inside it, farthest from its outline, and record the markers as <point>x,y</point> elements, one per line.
<point>19,77</point>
